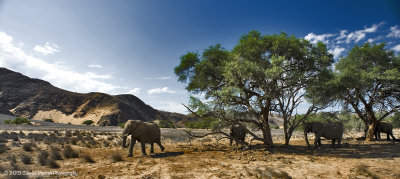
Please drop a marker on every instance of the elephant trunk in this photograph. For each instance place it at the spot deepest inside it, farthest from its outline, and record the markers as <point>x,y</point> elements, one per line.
<point>124,141</point>
<point>305,136</point>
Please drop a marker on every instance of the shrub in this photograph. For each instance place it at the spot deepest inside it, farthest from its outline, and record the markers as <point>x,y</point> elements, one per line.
<point>8,121</point>
<point>26,159</point>
<point>52,164</point>
<point>2,169</point>
<point>87,158</point>
<point>21,120</point>
<point>166,124</point>
<point>42,158</point>
<point>12,159</point>
<point>88,122</point>
<point>106,144</point>
<point>2,140</point>
<point>55,154</point>
<point>206,123</point>
<point>116,157</point>
<point>68,152</point>
<point>27,147</point>
<point>122,125</point>
<point>3,148</point>
<point>48,120</point>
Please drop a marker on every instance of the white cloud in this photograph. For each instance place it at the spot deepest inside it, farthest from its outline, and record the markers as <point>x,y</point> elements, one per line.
<point>396,48</point>
<point>318,38</point>
<point>46,49</point>
<point>371,40</point>
<point>337,51</point>
<point>134,91</point>
<point>14,58</point>
<point>171,107</point>
<point>356,36</point>
<point>394,32</point>
<point>160,78</point>
<point>160,90</point>
<point>95,66</point>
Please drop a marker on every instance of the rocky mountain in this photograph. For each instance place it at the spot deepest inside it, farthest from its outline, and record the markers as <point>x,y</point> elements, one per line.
<point>38,99</point>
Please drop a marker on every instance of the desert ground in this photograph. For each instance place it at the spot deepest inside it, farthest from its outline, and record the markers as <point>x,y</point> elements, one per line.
<point>97,153</point>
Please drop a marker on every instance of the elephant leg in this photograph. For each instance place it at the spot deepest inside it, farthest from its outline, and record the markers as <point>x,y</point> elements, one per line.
<point>230,141</point>
<point>339,143</point>
<point>131,147</point>
<point>333,143</point>
<point>152,148</point>
<point>391,134</point>
<point>161,147</point>
<point>317,140</point>
<point>387,136</point>
<point>143,144</point>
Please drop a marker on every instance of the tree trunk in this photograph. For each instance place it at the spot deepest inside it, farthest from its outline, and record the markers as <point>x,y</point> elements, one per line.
<point>372,124</point>
<point>267,136</point>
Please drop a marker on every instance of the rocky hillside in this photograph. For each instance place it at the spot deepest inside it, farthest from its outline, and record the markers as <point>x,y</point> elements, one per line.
<point>38,99</point>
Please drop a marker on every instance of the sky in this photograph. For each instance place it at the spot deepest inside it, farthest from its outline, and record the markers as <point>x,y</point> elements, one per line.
<point>132,47</point>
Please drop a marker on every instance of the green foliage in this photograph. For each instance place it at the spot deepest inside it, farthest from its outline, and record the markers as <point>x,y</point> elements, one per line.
<point>166,124</point>
<point>395,120</point>
<point>122,125</point>
<point>205,123</point>
<point>48,120</point>
<point>88,122</point>
<point>18,120</point>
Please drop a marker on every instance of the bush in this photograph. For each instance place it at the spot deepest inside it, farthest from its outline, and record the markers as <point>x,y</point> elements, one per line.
<point>55,154</point>
<point>88,122</point>
<point>42,158</point>
<point>166,124</point>
<point>116,157</point>
<point>27,147</point>
<point>26,159</point>
<point>21,120</point>
<point>68,152</point>
<point>3,148</point>
<point>52,164</point>
<point>122,125</point>
<point>206,123</point>
<point>12,159</point>
<point>8,121</point>
<point>48,120</point>
<point>87,158</point>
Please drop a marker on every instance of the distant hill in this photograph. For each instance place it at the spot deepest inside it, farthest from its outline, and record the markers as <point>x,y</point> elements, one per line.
<point>38,99</point>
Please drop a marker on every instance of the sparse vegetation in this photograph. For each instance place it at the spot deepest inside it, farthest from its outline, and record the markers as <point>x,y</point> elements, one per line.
<point>18,120</point>
<point>55,154</point>
<point>87,158</point>
<point>26,159</point>
<point>122,125</point>
<point>8,121</point>
<point>27,147</point>
<point>3,148</point>
<point>116,157</point>
<point>88,122</point>
<point>166,124</point>
<point>68,152</point>
<point>206,123</point>
<point>42,158</point>
<point>52,164</point>
<point>48,120</point>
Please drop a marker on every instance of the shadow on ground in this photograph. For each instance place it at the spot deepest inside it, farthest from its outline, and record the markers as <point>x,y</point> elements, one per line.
<point>166,154</point>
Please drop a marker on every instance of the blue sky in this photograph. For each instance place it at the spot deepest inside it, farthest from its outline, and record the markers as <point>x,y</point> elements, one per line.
<point>123,46</point>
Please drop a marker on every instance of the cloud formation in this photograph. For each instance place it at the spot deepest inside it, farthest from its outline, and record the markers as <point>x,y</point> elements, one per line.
<point>14,58</point>
<point>160,90</point>
<point>394,32</point>
<point>95,66</point>
<point>396,48</point>
<point>160,78</point>
<point>47,48</point>
<point>134,91</point>
<point>337,51</point>
<point>318,38</point>
<point>357,35</point>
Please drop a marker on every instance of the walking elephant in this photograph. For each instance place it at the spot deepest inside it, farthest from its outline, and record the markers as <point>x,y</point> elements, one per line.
<point>145,133</point>
<point>331,131</point>
<point>385,127</point>
<point>238,132</point>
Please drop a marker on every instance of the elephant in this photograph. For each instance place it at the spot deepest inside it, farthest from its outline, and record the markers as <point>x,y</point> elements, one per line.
<point>144,132</point>
<point>385,127</point>
<point>238,132</point>
<point>331,131</point>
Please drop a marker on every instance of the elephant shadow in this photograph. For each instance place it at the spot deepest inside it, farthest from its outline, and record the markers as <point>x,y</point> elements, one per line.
<point>166,154</point>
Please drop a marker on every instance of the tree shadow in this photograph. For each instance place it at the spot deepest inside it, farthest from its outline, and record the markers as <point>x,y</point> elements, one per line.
<point>166,154</point>
<point>364,150</point>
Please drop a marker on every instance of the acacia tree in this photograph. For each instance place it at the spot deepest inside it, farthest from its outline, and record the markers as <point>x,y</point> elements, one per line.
<point>368,82</point>
<point>262,74</point>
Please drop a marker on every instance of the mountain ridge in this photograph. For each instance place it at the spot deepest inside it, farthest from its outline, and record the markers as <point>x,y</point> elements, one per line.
<point>21,95</point>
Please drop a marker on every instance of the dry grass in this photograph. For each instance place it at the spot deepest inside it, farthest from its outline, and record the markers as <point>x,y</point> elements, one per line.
<point>116,157</point>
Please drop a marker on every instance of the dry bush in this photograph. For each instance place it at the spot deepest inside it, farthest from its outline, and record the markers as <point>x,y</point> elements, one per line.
<point>26,159</point>
<point>12,159</point>
<point>110,138</point>
<point>52,164</point>
<point>116,157</point>
<point>2,169</point>
<point>74,141</point>
<point>27,147</point>
<point>106,144</point>
<point>3,148</point>
<point>21,134</point>
<point>42,157</point>
<point>3,140</point>
<point>267,173</point>
<point>68,134</point>
<point>362,169</point>
<point>101,177</point>
<point>68,152</point>
<point>87,158</point>
<point>55,154</point>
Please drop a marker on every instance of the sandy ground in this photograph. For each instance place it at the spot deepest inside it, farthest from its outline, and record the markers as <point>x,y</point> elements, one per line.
<point>202,158</point>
